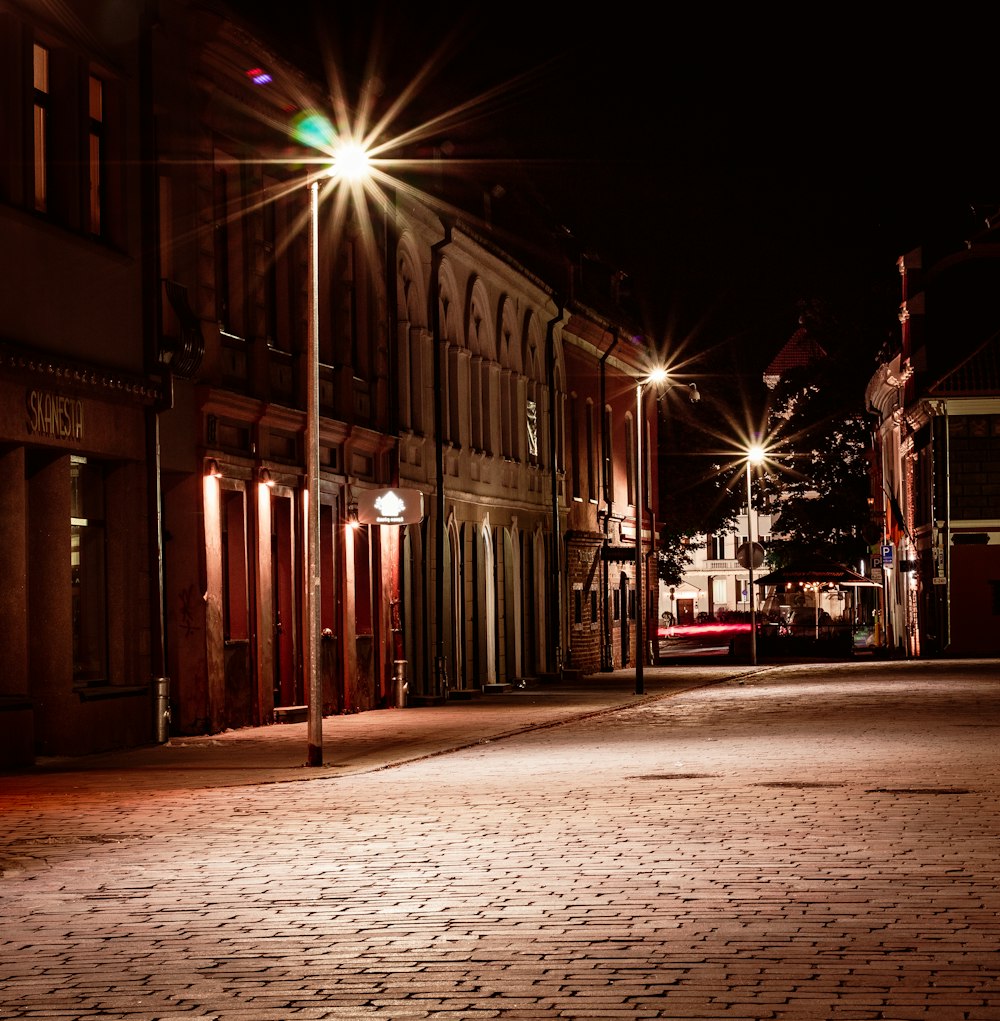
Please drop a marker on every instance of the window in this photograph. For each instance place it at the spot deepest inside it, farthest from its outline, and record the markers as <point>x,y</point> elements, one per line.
<point>574,447</point>
<point>591,455</point>
<point>235,606</point>
<point>720,593</point>
<point>229,258</point>
<point>41,127</point>
<point>88,570</point>
<point>577,606</point>
<point>609,464</point>
<point>616,605</point>
<point>630,458</point>
<point>717,545</point>
<point>96,153</point>
<point>593,606</point>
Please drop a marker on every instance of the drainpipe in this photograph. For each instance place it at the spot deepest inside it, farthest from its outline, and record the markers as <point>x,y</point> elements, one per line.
<point>440,667</point>
<point>557,579</point>
<point>607,657</point>
<point>150,277</point>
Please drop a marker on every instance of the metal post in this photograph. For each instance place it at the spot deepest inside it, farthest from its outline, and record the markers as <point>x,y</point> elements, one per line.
<point>314,680</point>
<point>639,600</point>
<point>750,543</point>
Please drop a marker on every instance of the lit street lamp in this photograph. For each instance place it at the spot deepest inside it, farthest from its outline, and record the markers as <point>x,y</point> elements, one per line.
<point>656,377</point>
<point>755,455</point>
<point>350,163</point>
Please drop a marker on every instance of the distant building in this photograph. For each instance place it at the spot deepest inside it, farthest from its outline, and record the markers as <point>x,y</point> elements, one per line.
<point>798,351</point>
<point>716,584</point>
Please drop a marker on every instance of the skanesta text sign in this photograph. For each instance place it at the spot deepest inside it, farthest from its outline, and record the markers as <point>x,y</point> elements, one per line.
<point>54,416</point>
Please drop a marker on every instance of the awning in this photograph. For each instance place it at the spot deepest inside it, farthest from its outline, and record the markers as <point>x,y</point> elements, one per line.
<point>816,571</point>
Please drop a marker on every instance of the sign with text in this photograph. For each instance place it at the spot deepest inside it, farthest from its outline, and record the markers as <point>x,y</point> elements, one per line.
<point>390,507</point>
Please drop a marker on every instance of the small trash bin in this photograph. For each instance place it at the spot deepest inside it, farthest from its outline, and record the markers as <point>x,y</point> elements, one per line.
<point>400,683</point>
<point>162,709</point>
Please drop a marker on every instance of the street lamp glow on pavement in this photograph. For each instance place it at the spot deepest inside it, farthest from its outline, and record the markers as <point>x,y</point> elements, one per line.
<point>657,378</point>
<point>755,456</point>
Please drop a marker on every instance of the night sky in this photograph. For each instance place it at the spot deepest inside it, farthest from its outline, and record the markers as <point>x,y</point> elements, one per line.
<point>732,165</point>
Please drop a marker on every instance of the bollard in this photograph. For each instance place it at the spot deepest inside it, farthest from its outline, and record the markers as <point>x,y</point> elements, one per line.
<point>401,684</point>
<point>162,709</point>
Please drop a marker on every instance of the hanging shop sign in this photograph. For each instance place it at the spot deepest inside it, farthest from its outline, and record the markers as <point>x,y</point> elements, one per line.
<point>390,507</point>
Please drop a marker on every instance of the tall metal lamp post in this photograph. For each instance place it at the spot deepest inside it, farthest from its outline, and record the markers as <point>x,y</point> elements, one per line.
<point>350,164</point>
<point>657,377</point>
<point>755,455</point>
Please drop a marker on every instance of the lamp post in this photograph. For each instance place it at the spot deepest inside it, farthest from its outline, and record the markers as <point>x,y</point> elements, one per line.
<point>656,377</point>
<point>350,163</point>
<point>755,455</point>
<point>314,680</point>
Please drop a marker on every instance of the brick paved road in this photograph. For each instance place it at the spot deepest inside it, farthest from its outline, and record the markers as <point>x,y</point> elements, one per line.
<point>815,843</point>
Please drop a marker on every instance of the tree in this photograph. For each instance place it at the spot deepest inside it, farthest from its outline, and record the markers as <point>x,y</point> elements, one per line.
<point>820,442</point>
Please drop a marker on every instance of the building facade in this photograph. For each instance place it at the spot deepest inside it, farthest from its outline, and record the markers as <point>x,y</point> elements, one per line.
<point>936,476</point>
<point>155,369</point>
<point>716,584</point>
<point>79,390</point>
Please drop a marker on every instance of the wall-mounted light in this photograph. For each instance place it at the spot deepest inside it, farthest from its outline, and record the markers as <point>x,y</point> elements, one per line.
<point>212,469</point>
<point>264,478</point>
<point>352,514</point>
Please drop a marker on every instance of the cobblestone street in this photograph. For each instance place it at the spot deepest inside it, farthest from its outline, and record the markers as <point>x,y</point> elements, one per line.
<point>797,843</point>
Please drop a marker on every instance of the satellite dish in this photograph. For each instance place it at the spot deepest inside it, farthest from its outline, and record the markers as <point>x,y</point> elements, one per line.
<point>743,555</point>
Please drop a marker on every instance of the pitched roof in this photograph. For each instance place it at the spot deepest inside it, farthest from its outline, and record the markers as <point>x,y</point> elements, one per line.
<point>799,350</point>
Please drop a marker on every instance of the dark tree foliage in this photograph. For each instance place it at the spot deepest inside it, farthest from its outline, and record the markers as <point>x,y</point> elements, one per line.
<point>821,440</point>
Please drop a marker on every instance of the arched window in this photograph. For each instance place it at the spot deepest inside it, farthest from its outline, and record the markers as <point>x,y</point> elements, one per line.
<point>609,459</point>
<point>574,446</point>
<point>630,458</point>
<point>591,454</point>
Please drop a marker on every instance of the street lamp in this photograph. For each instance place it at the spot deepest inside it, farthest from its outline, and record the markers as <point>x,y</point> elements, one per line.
<point>755,455</point>
<point>350,163</point>
<point>657,377</point>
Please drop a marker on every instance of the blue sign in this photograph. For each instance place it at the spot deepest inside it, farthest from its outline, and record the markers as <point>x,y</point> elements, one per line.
<point>887,555</point>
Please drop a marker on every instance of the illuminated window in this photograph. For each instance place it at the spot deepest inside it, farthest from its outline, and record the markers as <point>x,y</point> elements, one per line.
<point>591,455</point>
<point>96,152</point>
<point>88,570</point>
<point>41,127</point>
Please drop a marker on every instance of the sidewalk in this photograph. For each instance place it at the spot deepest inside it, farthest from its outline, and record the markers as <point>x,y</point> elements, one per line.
<point>360,742</point>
